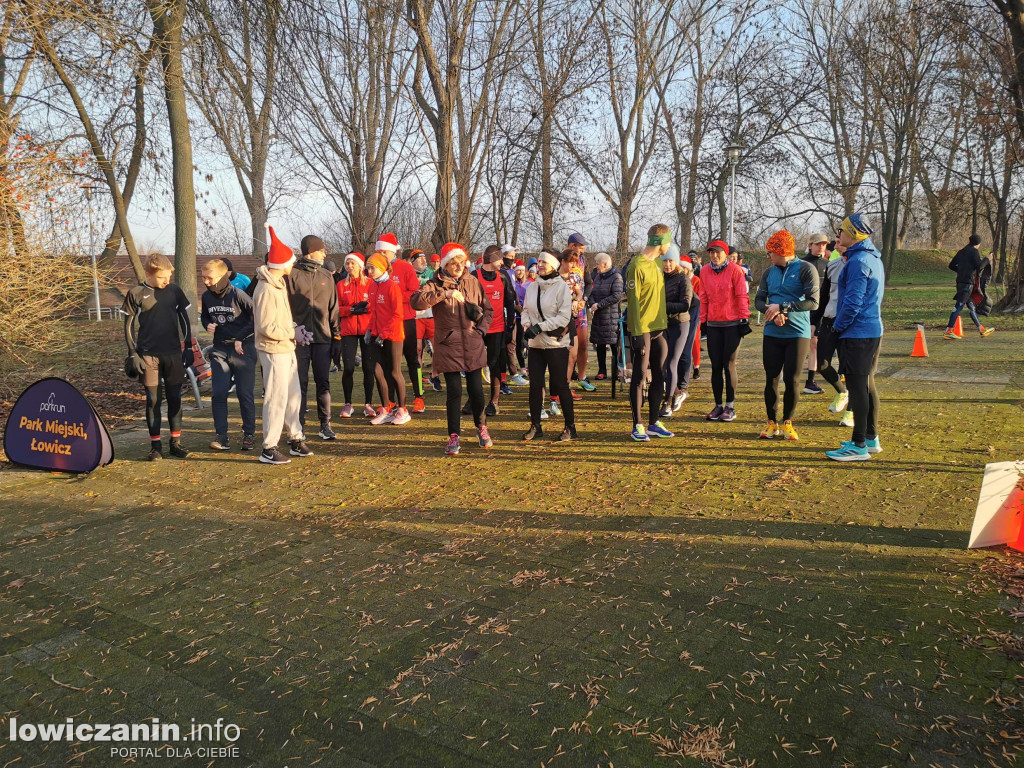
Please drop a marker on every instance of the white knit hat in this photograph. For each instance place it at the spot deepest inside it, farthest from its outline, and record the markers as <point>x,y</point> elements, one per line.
<point>549,259</point>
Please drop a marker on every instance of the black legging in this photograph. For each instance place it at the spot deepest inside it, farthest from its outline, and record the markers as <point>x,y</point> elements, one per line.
<point>349,346</point>
<point>410,348</point>
<point>556,362</point>
<point>387,368</point>
<point>677,337</point>
<point>497,349</point>
<point>827,341</point>
<point>783,359</point>
<point>453,399</point>
<point>864,403</point>
<point>723,349</point>
<point>649,352</point>
<point>154,402</point>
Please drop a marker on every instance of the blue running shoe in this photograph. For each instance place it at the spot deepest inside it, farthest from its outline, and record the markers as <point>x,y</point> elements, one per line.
<point>505,389</point>
<point>640,434</point>
<point>874,445</point>
<point>849,452</point>
<point>586,386</point>
<point>657,429</point>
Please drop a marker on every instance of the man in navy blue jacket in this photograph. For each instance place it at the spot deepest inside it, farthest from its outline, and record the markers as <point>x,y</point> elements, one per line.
<point>227,314</point>
<point>858,325</point>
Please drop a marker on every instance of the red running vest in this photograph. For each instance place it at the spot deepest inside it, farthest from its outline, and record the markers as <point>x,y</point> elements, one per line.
<point>494,290</point>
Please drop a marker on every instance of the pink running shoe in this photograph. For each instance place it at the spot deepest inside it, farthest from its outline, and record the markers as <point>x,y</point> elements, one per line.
<point>383,417</point>
<point>484,437</point>
<point>346,412</point>
<point>400,416</point>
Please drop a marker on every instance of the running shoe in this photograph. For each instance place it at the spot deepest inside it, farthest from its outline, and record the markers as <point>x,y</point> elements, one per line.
<point>453,445</point>
<point>544,415</point>
<point>273,456</point>
<point>369,411</point>
<point>346,412</point>
<point>987,331</point>
<point>873,445</point>
<point>728,413</point>
<point>505,389</point>
<point>587,386</point>
<point>334,368</point>
<point>601,376</point>
<point>467,408</point>
<point>491,410</point>
<point>486,373</point>
<point>812,388</point>
<point>771,430</point>
<point>299,448</point>
<point>484,437</point>
<point>949,334</point>
<point>519,381</point>
<point>657,429</point>
<point>567,434</point>
<point>220,444</point>
<point>847,420</point>
<point>155,452</point>
<point>400,416</point>
<point>435,383</point>
<point>640,434</point>
<point>788,432</point>
<point>696,372</point>
<point>178,450</point>
<point>715,414</point>
<point>849,452</point>
<point>418,406</point>
<point>666,410</point>
<point>575,395</point>
<point>678,400</point>
<point>383,417</point>
<point>326,433</point>
<point>534,432</point>
<point>248,442</point>
<point>556,409</point>
<point>839,402</point>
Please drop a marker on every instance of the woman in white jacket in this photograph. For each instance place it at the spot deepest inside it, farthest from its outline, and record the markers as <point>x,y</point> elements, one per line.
<point>547,312</point>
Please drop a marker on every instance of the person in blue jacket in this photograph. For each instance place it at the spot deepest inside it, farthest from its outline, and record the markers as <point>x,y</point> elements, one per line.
<point>787,293</point>
<point>858,325</point>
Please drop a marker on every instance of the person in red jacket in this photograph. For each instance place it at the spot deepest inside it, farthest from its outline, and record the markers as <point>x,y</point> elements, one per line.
<point>725,307</point>
<point>500,294</point>
<point>404,276</point>
<point>385,336</point>
<point>353,311</point>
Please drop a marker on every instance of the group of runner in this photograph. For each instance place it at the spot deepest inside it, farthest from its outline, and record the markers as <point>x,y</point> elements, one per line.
<point>502,322</point>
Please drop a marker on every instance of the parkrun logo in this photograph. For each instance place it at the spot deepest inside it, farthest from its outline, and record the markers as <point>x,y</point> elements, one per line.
<point>51,406</point>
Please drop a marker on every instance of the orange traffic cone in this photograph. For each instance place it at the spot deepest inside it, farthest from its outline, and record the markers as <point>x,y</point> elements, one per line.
<point>920,346</point>
<point>1018,543</point>
<point>958,327</point>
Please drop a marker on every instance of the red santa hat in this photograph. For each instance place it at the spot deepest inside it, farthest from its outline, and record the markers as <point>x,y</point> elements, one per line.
<point>435,258</point>
<point>387,242</point>
<point>356,256</point>
<point>519,263</point>
<point>279,255</point>
<point>449,251</point>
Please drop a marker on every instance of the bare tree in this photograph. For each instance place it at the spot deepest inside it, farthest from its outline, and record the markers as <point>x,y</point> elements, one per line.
<point>18,52</point>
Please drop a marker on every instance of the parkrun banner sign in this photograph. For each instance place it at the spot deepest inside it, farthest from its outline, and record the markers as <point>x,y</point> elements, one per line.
<point>53,426</point>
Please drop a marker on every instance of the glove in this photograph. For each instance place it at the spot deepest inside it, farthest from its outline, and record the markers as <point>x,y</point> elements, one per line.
<point>532,332</point>
<point>134,366</point>
<point>188,357</point>
<point>302,336</point>
<point>473,312</point>
<point>367,337</point>
<point>359,308</point>
<point>378,340</point>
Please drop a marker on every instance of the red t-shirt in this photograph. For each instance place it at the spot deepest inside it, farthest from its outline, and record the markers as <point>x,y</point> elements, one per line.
<point>494,292</point>
<point>404,274</point>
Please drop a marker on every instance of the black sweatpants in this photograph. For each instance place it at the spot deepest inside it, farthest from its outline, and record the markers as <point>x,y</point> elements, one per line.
<point>723,349</point>
<point>453,399</point>
<point>858,359</point>
<point>827,341</point>
<point>497,349</point>
<point>556,363</point>
<point>349,346</point>
<point>320,356</point>
<point>412,356</point>
<point>783,359</point>
<point>649,353</point>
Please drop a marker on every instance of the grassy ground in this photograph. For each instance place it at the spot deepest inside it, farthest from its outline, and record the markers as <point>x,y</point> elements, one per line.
<point>709,600</point>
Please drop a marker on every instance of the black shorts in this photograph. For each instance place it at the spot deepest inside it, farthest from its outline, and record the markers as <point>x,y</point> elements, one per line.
<point>858,357</point>
<point>169,368</point>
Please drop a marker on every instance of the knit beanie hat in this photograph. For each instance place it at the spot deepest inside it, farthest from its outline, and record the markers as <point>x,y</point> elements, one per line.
<point>387,242</point>
<point>378,261</point>
<point>672,254</point>
<point>449,251</point>
<point>311,244</point>
<point>279,255</point>
<point>975,240</point>
<point>856,226</point>
<point>435,259</point>
<point>781,244</point>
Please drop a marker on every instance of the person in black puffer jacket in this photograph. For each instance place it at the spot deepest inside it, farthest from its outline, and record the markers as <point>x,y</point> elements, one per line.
<point>606,297</point>
<point>966,263</point>
<point>678,298</point>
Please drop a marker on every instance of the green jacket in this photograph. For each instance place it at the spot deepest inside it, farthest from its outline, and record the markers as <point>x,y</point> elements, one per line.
<point>645,296</point>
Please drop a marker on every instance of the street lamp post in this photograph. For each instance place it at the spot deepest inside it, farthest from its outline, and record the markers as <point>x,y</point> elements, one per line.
<point>732,155</point>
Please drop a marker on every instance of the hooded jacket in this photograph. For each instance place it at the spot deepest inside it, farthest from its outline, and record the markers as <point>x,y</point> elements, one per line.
<point>314,299</point>
<point>231,311</point>
<point>723,296</point>
<point>548,305</point>
<point>606,296</point>
<point>861,287</point>
<point>966,264</point>
<point>458,341</point>
<point>272,314</point>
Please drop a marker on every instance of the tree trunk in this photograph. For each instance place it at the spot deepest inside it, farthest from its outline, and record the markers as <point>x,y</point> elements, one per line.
<point>547,205</point>
<point>168,18</point>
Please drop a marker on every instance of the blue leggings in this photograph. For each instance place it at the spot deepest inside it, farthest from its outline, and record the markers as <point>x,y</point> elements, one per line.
<point>959,308</point>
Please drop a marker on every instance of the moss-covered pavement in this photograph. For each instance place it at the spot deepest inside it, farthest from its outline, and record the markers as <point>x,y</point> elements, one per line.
<point>708,600</point>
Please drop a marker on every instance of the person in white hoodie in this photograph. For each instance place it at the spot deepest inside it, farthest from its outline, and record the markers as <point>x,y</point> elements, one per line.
<point>276,337</point>
<point>547,312</point>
